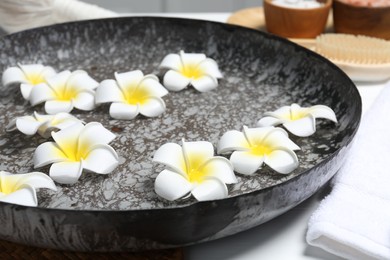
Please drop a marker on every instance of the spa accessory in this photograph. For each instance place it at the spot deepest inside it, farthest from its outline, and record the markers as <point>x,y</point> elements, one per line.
<point>363,58</point>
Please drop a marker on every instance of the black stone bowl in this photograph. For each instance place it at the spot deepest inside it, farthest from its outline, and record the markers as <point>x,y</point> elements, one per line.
<point>120,211</point>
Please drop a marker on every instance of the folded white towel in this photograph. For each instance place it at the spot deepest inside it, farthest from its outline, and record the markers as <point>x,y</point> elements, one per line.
<point>17,15</point>
<point>353,221</point>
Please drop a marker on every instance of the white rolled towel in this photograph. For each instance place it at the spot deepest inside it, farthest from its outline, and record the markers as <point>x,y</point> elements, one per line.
<point>17,15</point>
<point>353,221</point>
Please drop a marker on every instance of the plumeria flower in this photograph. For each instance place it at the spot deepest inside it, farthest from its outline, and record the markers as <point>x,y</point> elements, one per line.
<point>300,121</point>
<point>20,188</point>
<point>190,69</point>
<point>131,94</point>
<point>194,169</point>
<point>43,124</point>
<point>28,76</point>
<point>257,146</point>
<point>65,91</point>
<point>76,148</point>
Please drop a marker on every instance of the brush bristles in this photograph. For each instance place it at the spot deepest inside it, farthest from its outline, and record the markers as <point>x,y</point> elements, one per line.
<point>353,49</point>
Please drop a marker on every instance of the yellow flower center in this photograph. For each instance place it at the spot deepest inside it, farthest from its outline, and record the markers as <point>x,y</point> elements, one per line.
<point>260,150</point>
<point>194,171</point>
<point>7,184</point>
<point>66,93</point>
<point>298,115</point>
<point>75,152</point>
<point>138,96</point>
<point>35,79</point>
<point>191,71</point>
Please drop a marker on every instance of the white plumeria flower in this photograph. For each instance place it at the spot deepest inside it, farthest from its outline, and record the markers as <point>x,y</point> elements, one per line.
<point>43,124</point>
<point>76,148</point>
<point>20,188</point>
<point>190,69</point>
<point>194,169</point>
<point>28,76</point>
<point>300,121</point>
<point>257,146</point>
<point>65,91</point>
<point>131,94</point>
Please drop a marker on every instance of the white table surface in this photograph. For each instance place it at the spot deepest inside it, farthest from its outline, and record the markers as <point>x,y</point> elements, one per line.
<point>284,236</point>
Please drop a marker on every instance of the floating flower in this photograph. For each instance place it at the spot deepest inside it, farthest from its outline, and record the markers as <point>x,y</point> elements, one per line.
<point>28,76</point>
<point>43,124</point>
<point>194,169</point>
<point>76,148</point>
<point>190,69</point>
<point>300,121</point>
<point>20,188</point>
<point>132,93</point>
<point>65,91</point>
<point>255,146</point>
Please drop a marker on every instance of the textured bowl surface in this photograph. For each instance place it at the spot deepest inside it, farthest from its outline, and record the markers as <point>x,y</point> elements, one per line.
<point>120,211</point>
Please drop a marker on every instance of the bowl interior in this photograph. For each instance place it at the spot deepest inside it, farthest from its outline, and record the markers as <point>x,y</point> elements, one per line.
<point>261,73</point>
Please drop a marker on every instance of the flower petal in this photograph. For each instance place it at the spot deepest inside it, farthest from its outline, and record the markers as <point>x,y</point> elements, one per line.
<point>85,100</point>
<point>210,189</point>
<point>48,71</point>
<point>26,89</point>
<point>282,160</point>
<point>59,80</point>
<point>101,159</point>
<point>152,107</point>
<point>245,162</point>
<point>63,120</point>
<point>28,125</point>
<point>13,75</point>
<point>55,106</point>
<point>220,168</point>
<point>278,137</point>
<point>36,180</point>
<point>123,111</point>
<point>67,139</point>
<point>108,91</point>
<point>232,141</point>
<point>205,83</point>
<point>152,86</point>
<point>41,93</point>
<point>174,81</point>
<point>55,122</point>
<point>282,113</point>
<point>197,153</point>
<point>11,126</point>
<point>66,172</point>
<point>210,66</point>
<point>191,58</point>
<point>171,155</point>
<point>171,61</point>
<point>94,133</point>
<point>256,135</point>
<point>321,111</point>
<point>171,186</point>
<point>303,127</point>
<point>269,121</point>
<point>35,69</point>
<point>128,81</point>
<point>80,80</point>
<point>47,153</point>
<point>25,196</point>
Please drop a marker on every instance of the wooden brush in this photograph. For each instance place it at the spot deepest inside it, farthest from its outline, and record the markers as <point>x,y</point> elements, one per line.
<point>362,58</point>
